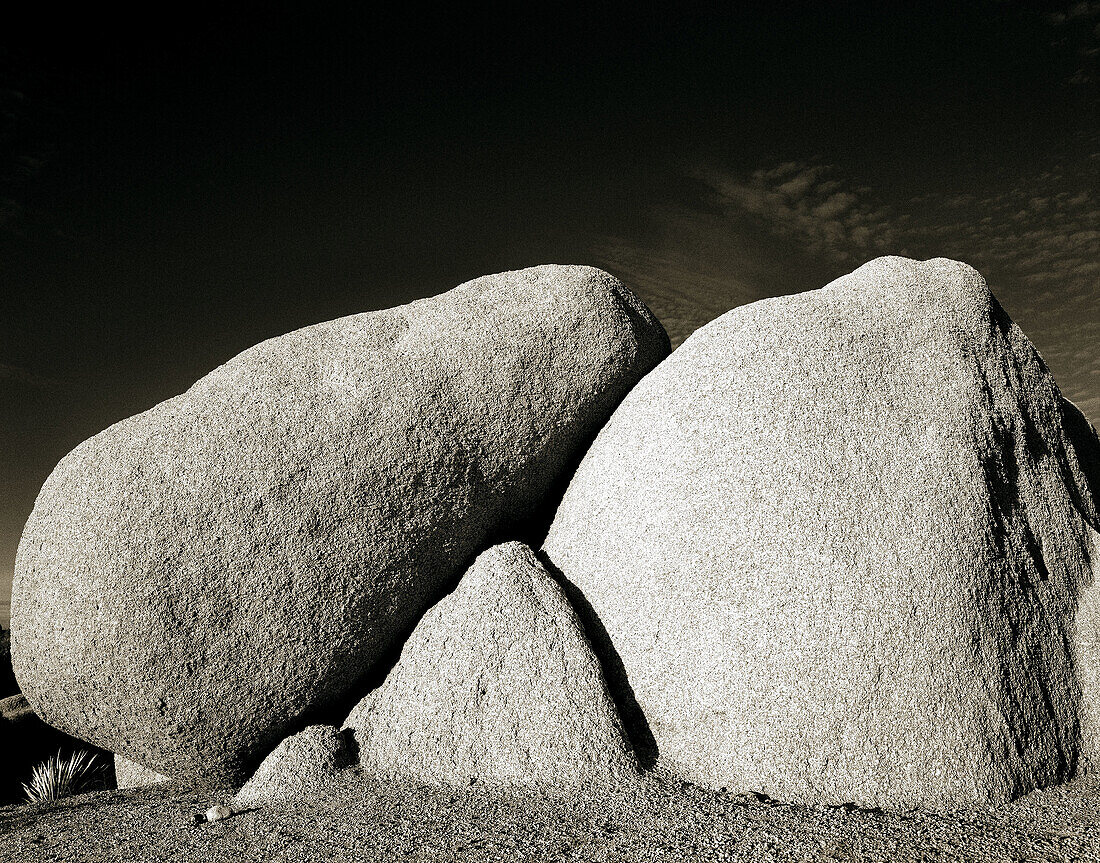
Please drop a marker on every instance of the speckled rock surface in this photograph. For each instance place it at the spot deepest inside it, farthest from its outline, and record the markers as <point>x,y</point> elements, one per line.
<point>1085,443</point>
<point>844,545</point>
<point>196,579</point>
<point>131,775</point>
<point>497,684</point>
<point>303,763</point>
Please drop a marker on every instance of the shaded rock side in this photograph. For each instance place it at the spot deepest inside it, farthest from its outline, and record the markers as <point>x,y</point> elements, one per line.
<point>301,764</point>
<point>497,684</point>
<point>840,542</point>
<point>8,684</point>
<point>1085,444</point>
<point>197,579</point>
<point>131,775</point>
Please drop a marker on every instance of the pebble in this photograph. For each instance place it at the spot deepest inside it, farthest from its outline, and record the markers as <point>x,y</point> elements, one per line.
<point>218,813</point>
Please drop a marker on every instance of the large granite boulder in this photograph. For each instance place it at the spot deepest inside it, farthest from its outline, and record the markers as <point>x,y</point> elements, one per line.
<point>844,545</point>
<point>497,684</point>
<point>199,580</point>
<point>1085,443</point>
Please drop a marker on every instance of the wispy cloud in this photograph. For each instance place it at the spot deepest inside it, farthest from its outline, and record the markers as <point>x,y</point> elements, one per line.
<point>1076,27</point>
<point>1036,240</point>
<point>812,204</point>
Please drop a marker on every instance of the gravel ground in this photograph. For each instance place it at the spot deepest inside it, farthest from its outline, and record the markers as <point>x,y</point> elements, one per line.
<point>657,819</point>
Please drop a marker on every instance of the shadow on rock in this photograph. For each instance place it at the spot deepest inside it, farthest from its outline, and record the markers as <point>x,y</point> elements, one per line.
<point>637,726</point>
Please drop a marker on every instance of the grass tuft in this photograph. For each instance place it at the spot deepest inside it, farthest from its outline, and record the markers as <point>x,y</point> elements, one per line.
<point>58,777</point>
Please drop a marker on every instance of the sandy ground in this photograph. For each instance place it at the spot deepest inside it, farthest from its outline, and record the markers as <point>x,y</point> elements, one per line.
<point>658,819</point>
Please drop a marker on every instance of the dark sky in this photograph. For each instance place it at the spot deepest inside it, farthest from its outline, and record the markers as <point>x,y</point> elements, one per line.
<point>172,193</point>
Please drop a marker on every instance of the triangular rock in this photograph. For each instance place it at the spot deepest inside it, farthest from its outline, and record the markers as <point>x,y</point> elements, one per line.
<point>496,684</point>
<point>130,774</point>
<point>300,764</point>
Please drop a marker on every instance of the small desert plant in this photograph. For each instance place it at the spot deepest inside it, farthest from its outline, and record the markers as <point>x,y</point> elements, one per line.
<point>58,777</point>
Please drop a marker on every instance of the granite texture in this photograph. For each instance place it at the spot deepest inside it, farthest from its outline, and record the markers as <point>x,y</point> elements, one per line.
<point>198,581</point>
<point>844,546</point>
<point>656,820</point>
<point>496,685</point>
<point>304,763</point>
<point>131,775</point>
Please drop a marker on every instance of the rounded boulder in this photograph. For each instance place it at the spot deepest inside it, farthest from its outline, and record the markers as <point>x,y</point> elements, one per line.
<point>199,580</point>
<point>844,545</point>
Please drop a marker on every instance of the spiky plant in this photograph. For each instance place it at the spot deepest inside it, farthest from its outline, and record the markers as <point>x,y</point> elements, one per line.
<point>58,777</point>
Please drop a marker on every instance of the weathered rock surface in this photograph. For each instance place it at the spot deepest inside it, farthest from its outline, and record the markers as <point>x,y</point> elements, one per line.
<point>301,764</point>
<point>131,775</point>
<point>196,579</point>
<point>497,684</point>
<point>1085,445</point>
<point>844,544</point>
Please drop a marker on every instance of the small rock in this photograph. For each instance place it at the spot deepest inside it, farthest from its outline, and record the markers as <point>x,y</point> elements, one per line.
<point>129,774</point>
<point>218,813</point>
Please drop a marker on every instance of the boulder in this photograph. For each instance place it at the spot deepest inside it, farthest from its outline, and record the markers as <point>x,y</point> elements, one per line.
<point>1085,446</point>
<point>131,775</point>
<point>300,765</point>
<point>497,684</point>
<point>844,546</point>
<point>199,580</point>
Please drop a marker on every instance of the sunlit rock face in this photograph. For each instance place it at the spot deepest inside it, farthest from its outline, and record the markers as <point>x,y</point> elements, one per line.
<point>499,685</point>
<point>844,546</point>
<point>196,581</point>
<point>303,764</point>
<point>131,775</point>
